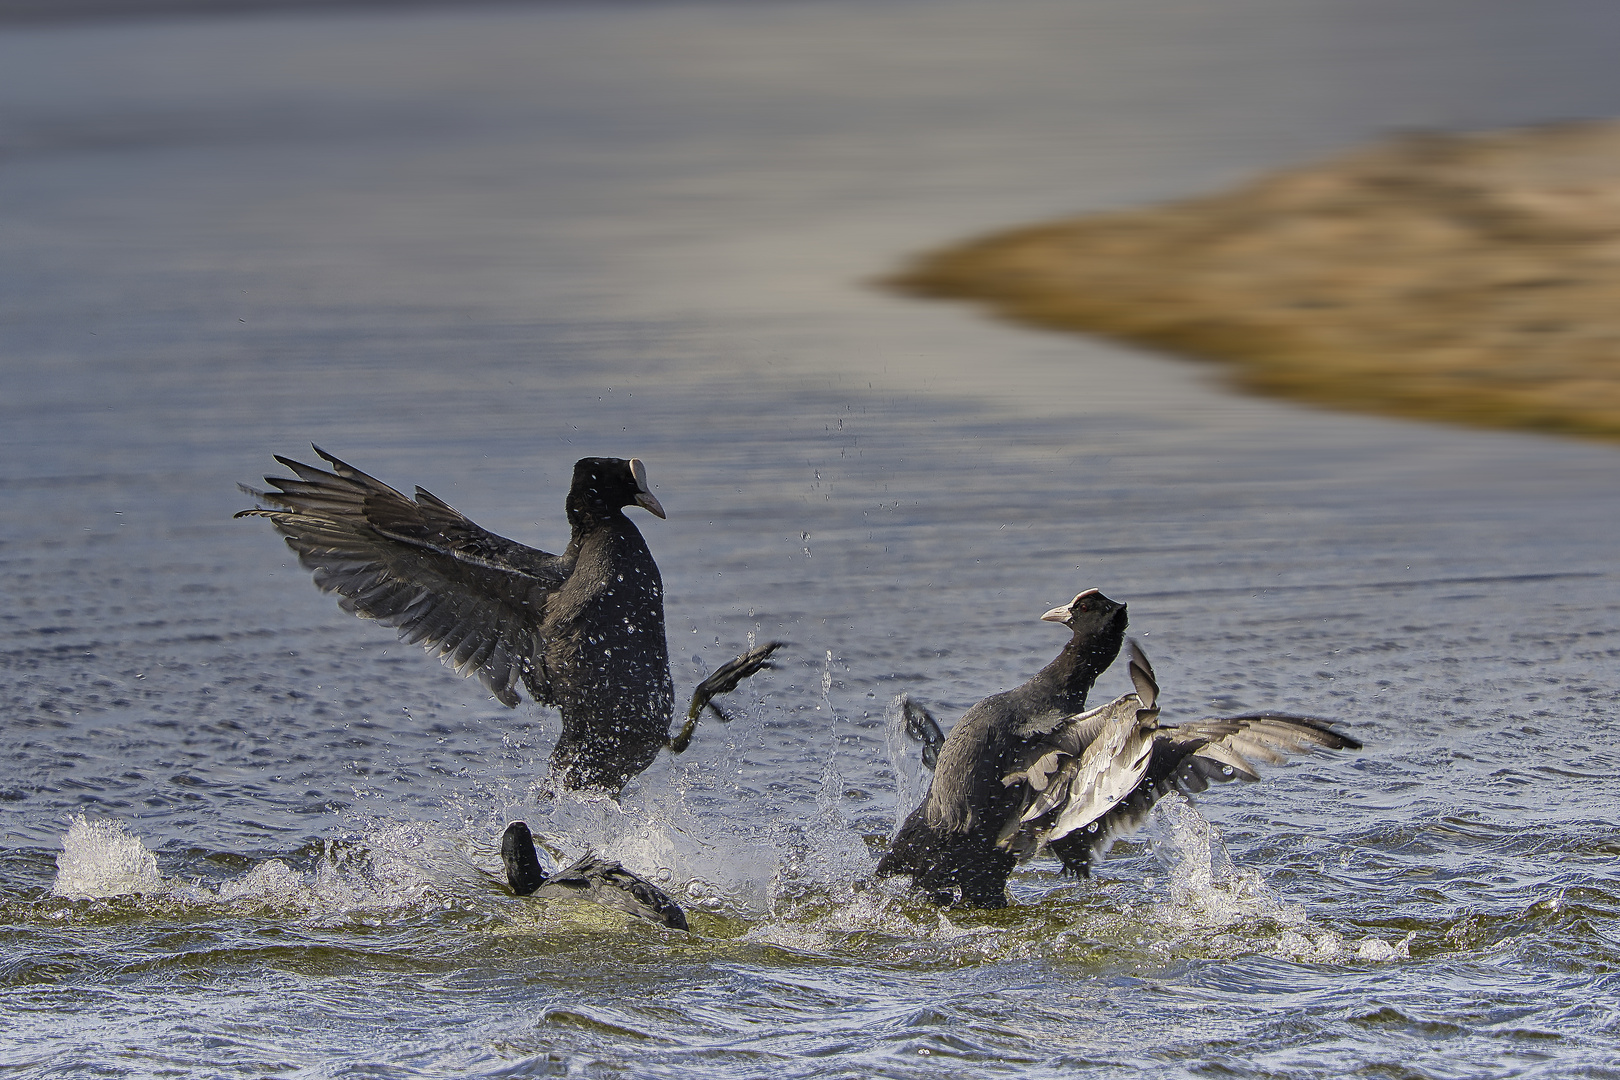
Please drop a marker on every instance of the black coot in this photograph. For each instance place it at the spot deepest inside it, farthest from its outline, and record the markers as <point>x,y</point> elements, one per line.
<point>582,631</point>
<point>1028,770</point>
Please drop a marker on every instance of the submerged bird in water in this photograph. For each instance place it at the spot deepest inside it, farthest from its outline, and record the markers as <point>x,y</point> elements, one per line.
<point>582,631</point>
<point>1026,771</point>
<point>589,878</point>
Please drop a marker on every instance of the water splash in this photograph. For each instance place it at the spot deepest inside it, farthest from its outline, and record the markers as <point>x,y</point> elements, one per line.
<point>882,918</point>
<point>1380,951</point>
<point>393,865</point>
<point>103,859</point>
<point>911,776</point>
<point>1204,886</point>
<point>824,856</point>
<point>1225,910</point>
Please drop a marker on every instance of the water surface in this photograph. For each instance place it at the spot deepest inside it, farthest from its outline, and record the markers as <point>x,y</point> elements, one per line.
<point>245,834</point>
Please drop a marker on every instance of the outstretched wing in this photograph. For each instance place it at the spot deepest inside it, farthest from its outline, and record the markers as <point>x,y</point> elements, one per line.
<point>1190,757</point>
<point>474,599</point>
<point>1095,777</point>
<point>1233,748</point>
<point>1080,769</point>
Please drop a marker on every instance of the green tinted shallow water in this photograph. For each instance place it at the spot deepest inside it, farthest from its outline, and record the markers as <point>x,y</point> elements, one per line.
<point>1214,971</point>
<point>245,835</point>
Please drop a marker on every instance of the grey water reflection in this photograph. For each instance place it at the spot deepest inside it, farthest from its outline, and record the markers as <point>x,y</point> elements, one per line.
<point>461,248</point>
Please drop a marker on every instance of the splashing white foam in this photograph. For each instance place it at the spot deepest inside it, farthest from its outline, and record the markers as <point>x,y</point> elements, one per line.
<point>1208,893</point>
<point>823,856</point>
<point>701,838</point>
<point>1381,951</point>
<point>911,776</point>
<point>705,863</point>
<point>395,864</point>
<point>274,881</point>
<point>102,859</point>
<point>1206,890</point>
<point>883,914</point>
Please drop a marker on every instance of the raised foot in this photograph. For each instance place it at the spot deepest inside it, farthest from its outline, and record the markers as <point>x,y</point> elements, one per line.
<point>723,681</point>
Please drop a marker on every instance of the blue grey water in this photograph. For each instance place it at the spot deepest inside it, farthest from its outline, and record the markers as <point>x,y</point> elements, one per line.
<point>244,834</point>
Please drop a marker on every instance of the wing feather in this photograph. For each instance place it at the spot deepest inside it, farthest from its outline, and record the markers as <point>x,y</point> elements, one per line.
<point>1095,776</point>
<point>1190,757</point>
<point>1238,743</point>
<point>474,599</point>
<point>1085,766</point>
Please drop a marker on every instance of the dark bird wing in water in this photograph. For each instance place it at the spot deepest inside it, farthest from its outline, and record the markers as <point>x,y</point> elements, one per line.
<point>474,599</point>
<point>591,877</point>
<point>1097,776</point>
<point>608,883</point>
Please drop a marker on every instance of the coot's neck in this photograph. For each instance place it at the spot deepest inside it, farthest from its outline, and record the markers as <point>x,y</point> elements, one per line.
<point>588,511</point>
<point>1068,679</point>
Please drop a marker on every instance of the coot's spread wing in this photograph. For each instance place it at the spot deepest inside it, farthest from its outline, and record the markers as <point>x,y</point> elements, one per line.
<point>1075,771</point>
<point>1063,792</point>
<point>1188,758</point>
<point>1229,748</point>
<point>472,598</point>
<point>1094,777</point>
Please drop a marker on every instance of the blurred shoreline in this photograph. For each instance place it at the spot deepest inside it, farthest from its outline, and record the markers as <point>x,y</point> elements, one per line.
<point>1462,278</point>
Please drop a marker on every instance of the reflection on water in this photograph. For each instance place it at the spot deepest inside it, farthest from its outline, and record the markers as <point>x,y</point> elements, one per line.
<point>248,835</point>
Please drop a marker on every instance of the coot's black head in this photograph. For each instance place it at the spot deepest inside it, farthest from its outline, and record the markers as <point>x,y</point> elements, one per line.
<point>603,485</point>
<point>1091,614</point>
<point>523,870</point>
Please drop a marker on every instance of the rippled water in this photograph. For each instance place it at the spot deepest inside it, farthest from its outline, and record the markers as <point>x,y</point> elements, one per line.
<point>246,835</point>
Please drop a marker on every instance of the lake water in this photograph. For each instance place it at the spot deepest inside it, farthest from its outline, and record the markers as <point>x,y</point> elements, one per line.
<point>244,834</point>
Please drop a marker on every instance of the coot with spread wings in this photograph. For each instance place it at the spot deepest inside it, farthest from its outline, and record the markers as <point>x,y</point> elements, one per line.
<point>582,631</point>
<point>1028,771</point>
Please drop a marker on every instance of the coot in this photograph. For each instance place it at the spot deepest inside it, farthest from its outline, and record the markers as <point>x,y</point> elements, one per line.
<point>582,631</point>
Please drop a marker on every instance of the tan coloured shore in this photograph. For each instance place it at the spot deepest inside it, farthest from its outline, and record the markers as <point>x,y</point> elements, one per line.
<point>1471,278</point>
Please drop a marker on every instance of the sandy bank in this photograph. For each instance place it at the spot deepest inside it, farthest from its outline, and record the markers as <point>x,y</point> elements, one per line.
<point>1473,279</point>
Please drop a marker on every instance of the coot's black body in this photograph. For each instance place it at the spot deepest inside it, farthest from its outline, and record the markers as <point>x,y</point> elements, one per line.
<point>1027,771</point>
<point>582,631</point>
<point>949,844</point>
